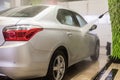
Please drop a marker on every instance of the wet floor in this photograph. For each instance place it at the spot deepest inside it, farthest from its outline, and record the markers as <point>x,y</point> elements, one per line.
<point>87,69</point>
<point>112,73</point>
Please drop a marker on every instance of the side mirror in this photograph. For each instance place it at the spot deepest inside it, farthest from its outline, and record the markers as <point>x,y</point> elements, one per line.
<point>93,27</point>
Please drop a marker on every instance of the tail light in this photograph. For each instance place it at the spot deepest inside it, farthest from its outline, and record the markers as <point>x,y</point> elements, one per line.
<point>20,33</point>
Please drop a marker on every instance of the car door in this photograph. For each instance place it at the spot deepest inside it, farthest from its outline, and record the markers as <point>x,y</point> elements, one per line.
<point>75,40</point>
<point>87,39</point>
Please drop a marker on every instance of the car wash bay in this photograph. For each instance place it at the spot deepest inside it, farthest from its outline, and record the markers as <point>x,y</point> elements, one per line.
<point>90,9</point>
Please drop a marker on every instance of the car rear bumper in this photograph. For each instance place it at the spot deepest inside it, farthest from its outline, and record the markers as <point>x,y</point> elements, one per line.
<point>22,72</point>
<point>20,60</point>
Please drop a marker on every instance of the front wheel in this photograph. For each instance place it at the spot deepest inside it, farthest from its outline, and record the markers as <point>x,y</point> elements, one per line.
<point>57,66</point>
<point>95,56</point>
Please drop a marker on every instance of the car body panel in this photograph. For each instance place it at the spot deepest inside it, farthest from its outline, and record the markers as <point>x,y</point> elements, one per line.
<point>21,59</point>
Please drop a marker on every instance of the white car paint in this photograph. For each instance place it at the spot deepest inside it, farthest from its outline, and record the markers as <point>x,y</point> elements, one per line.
<point>22,59</point>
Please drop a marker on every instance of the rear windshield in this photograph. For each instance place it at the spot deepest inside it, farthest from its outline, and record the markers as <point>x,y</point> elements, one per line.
<point>30,11</point>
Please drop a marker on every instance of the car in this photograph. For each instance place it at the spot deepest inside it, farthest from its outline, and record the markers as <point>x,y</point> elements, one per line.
<point>44,40</point>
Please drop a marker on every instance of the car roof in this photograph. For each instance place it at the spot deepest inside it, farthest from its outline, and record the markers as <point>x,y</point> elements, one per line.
<point>47,5</point>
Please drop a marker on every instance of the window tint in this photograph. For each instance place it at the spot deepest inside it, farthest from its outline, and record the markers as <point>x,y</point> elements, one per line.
<point>81,21</point>
<point>23,11</point>
<point>66,17</point>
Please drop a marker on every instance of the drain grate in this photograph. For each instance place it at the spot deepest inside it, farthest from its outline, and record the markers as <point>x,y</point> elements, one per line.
<point>99,75</point>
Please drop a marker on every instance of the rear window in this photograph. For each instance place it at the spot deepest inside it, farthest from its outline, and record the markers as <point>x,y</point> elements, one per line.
<point>30,11</point>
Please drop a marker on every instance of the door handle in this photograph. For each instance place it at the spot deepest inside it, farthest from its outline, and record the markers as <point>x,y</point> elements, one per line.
<point>69,34</point>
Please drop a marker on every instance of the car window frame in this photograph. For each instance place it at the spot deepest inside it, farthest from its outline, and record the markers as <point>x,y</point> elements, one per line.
<point>81,18</point>
<point>73,17</point>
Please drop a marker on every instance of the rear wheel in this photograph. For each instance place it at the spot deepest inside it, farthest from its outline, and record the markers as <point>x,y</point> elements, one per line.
<point>95,56</point>
<point>57,66</point>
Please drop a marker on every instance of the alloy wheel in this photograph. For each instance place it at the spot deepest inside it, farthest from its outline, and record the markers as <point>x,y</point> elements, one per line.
<point>58,67</point>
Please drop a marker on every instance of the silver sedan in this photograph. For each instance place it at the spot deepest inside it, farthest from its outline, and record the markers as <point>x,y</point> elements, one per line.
<point>44,40</point>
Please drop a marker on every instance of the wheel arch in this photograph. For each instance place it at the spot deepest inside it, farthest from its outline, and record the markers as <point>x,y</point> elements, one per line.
<point>98,42</point>
<point>65,52</point>
<point>64,49</point>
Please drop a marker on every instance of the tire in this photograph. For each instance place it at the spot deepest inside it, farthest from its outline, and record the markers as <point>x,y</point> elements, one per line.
<point>57,66</point>
<point>95,56</point>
